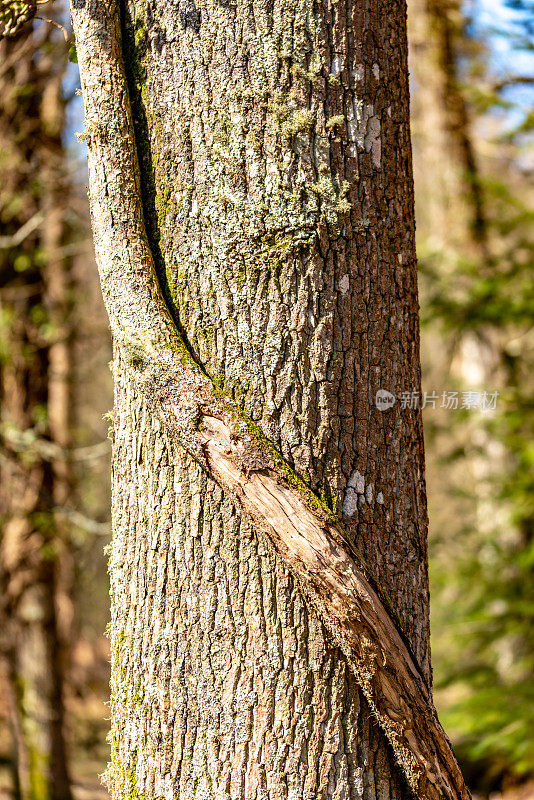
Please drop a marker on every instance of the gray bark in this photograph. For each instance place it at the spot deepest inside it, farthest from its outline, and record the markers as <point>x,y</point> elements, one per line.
<point>275,175</point>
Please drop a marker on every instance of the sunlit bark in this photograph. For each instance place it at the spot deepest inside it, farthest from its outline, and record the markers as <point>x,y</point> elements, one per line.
<point>270,188</point>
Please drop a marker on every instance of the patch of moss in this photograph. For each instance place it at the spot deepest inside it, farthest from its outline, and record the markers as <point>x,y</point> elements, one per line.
<point>299,72</point>
<point>333,121</point>
<point>245,424</point>
<point>120,776</point>
<point>297,121</point>
<point>333,196</point>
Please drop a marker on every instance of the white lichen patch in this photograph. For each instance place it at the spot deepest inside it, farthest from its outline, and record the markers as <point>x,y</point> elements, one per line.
<point>344,284</point>
<point>357,482</point>
<point>354,494</point>
<point>372,141</point>
<point>350,503</point>
<point>337,65</point>
<point>363,130</point>
<point>358,493</point>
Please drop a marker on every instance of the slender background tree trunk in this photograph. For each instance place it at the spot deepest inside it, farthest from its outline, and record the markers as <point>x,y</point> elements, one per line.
<point>454,221</point>
<point>452,209</point>
<point>460,231</point>
<point>34,407</point>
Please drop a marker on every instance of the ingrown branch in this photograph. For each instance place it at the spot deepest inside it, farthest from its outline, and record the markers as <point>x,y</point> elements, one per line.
<point>228,445</point>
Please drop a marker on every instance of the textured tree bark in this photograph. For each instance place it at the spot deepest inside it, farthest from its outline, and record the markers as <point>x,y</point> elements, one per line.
<point>275,176</point>
<point>33,388</point>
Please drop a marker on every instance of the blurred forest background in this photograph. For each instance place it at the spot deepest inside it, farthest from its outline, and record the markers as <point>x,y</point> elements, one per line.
<point>472,78</point>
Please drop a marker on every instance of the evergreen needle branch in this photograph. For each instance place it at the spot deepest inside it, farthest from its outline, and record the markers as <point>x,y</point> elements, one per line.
<point>214,431</point>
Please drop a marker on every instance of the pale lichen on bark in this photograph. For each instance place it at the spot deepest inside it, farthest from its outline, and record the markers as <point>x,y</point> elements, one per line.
<point>244,198</point>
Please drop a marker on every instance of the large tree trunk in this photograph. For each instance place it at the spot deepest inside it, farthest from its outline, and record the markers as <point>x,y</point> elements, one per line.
<point>34,409</point>
<point>275,173</point>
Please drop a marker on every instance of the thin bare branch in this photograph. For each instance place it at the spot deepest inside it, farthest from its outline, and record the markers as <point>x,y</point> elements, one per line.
<point>16,239</point>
